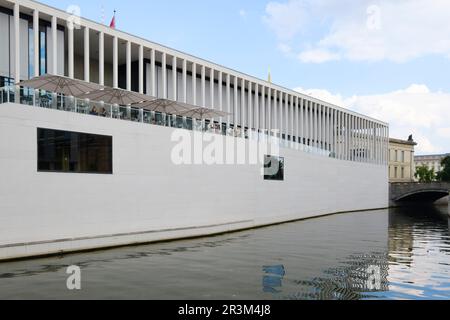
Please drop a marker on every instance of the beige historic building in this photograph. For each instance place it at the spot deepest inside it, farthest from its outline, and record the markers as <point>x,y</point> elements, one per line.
<point>401,160</point>
<point>430,161</point>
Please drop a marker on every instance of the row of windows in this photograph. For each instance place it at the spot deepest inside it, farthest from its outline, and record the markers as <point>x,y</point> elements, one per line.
<point>395,156</point>
<point>396,172</point>
<point>75,152</point>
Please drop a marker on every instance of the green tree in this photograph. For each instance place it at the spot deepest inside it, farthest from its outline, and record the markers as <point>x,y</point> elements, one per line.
<point>444,175</point>
<point>423,174</point>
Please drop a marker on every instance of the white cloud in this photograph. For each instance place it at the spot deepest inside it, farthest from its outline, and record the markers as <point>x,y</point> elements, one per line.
<point>318,56</point>
<point>362,30</point>
<point>242,13</point>
<point>286,49</point>
<point>286,19</point>
<point>415,110</point>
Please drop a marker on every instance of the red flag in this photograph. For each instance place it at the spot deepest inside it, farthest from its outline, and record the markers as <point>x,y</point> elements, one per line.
<point>113,21</point>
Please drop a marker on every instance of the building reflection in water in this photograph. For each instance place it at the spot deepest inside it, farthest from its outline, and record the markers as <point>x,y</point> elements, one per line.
<point>357,278</point>
<point>273,278</point>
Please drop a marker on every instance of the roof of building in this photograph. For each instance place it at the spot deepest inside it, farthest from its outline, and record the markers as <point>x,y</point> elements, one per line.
<point>399,141</point>
<point>432,156</point>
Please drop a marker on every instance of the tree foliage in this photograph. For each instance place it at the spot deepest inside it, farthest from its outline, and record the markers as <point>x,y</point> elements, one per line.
<point>423,174</point>
<point>444,174</point>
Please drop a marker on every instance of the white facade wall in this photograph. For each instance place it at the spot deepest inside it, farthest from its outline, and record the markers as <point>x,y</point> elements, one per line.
<point>149,198</point>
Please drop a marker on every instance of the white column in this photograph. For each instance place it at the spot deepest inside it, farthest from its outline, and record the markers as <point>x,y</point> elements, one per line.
<point>203,89</point>
<point>363,142</point>
<point>263,108</point>
<point>115,62</point>
<point>164,74</point>
<point>235,112</point>
<point>316,125</point>
<point>310,123</point>
<point>71,52</point>
<point>347,137</point>
<point>325,128</point>
<point>228,100</point>
<point>287,112</point>
<point>220,89</point>
<point>280,113</point>
<point>301,126</point>
<point>330,129</point>
<point>242,114</point>
<point>36,42</point>
<point>276,124</point>
<point>269,110</point>
<point>128,58</point>
<point>174,78</point>
<point>194,83</point>
<point>87,60</point>
<point>153,72</point>
<point>211,88</point>
<point>184,81</point>
<point>353,140</point>
<point>249,112</point>
<point>379,145</point>
<point>333,132</point>
<point>256,124</point>
<point>320,113</point>
<point>101,58</point>
<point>359,139</point>
<point>339,135</point>
<point>347,134</point>
<point>17,42</point>
<point>296,121</point>
<point>54,45</point>
<point>141,69</point>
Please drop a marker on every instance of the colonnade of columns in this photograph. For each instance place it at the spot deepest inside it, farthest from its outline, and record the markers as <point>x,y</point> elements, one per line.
<point>263,107</point>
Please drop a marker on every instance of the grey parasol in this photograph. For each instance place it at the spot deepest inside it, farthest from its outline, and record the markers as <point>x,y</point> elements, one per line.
<point>165,106</point>
<point>61,85</point>
<point>204,113</point>
<point>116,96</point>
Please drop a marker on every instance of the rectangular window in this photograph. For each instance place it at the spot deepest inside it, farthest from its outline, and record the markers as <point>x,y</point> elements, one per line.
<point>273,168</point>
<point>403,173</point>
<point>74,152</point>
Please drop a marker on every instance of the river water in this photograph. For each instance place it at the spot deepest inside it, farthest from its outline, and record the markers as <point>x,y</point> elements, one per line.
<point>388,254</point>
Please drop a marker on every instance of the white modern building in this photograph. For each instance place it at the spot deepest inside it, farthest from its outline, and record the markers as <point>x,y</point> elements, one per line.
<point>78,178</point>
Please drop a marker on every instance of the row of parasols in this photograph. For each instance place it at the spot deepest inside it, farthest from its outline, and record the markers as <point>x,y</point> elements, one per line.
<point>116,96</point>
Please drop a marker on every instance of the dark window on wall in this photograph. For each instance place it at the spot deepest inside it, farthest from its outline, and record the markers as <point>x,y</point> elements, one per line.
<point>74,152</point>
<point>273,168</point>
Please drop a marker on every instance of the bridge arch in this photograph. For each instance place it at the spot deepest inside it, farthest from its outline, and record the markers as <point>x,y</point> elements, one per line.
<point>423,196</point>
<point>418,192</point>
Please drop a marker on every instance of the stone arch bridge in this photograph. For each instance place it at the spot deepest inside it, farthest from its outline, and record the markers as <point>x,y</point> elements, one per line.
<point>417,192</point>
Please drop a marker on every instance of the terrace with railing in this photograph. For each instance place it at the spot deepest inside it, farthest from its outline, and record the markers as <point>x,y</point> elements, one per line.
<point>50,100</point>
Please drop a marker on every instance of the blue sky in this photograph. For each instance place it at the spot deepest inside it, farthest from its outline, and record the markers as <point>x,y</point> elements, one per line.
<point>388,59</point>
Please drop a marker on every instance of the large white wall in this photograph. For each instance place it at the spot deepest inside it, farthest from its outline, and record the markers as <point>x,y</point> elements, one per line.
<point>148,194</point>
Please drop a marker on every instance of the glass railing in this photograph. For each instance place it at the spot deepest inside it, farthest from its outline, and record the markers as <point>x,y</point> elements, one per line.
<point>49,100</point>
